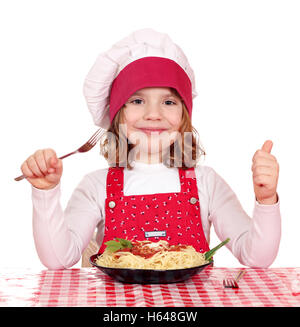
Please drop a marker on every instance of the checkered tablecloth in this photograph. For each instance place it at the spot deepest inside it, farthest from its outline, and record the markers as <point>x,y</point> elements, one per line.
<point>90,287</point>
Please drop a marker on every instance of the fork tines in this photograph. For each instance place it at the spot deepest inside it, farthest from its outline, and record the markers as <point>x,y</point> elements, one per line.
<point>95,137</point>
<point>230,283</point>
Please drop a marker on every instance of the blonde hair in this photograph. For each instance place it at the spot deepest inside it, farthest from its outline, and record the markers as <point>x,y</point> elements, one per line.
<point>181,154</point>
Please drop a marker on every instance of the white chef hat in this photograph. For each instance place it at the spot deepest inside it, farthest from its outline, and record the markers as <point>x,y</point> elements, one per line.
<point>145,58</point>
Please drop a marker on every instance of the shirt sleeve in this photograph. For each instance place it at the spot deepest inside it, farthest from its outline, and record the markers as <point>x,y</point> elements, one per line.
<point>255,240</point>
<point>60,236</point>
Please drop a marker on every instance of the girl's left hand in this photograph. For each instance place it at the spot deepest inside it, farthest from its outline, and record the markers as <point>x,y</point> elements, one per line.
<point>265,170</point>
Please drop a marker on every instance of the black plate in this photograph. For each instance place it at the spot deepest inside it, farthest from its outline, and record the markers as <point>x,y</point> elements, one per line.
<point>149,276</point>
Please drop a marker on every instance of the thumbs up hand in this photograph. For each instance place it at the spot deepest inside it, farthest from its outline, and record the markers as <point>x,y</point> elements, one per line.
<point>265,170</point>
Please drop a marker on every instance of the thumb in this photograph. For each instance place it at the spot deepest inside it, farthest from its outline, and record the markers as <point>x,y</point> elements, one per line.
<point>56,164</point>
<point>267,147</point>
<point>53,162</point>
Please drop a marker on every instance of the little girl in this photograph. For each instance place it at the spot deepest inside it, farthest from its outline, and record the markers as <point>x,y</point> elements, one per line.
<point>141,91</point>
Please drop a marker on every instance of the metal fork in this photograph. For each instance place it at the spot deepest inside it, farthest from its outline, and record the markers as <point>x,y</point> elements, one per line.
<point>233,282</point>
<point>84,148</point>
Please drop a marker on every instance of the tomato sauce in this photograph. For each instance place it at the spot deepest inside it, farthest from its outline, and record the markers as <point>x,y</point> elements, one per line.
<point>147,252</point>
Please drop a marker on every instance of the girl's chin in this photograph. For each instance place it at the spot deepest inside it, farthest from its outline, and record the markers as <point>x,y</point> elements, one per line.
<point>151,153</point>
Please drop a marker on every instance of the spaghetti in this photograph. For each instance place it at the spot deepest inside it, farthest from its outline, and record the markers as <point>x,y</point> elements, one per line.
<point>152,255</point>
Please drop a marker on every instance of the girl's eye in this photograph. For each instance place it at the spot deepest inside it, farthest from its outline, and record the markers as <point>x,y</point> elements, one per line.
<point>172,102</point>
<point>133,101</point>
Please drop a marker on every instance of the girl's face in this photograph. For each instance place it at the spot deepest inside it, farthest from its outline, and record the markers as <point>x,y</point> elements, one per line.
<point>152,116</point>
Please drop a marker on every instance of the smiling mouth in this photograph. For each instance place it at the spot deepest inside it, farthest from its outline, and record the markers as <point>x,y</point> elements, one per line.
<point>152,130</point>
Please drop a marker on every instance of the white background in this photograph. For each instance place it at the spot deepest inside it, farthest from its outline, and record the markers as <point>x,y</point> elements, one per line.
<point>245,55</point>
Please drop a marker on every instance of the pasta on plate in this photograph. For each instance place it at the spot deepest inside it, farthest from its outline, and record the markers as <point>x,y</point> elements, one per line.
<point>151,255</point>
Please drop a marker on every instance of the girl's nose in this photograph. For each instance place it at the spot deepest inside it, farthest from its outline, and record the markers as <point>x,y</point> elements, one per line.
<point>152,111</point>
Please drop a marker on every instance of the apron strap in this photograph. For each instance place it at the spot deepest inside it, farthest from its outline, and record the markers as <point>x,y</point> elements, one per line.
<point>114,182</point>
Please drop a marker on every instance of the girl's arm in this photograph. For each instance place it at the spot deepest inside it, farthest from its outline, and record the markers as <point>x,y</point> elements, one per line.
<point>253,241</point>
<point>61,236</point>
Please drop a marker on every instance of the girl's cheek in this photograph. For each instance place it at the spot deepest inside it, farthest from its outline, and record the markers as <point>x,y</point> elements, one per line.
<point>175,120</point>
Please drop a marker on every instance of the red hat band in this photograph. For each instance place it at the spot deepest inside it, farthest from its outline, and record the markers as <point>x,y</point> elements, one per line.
<point>149,72</point>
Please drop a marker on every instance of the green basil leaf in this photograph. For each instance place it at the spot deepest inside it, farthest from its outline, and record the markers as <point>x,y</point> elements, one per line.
<point>111,243</point>
<point>125,243</point>
<point>210,253</point>
<point>113,246</point>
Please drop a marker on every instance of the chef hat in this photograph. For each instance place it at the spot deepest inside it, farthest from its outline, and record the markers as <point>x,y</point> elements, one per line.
<point>145,58</point>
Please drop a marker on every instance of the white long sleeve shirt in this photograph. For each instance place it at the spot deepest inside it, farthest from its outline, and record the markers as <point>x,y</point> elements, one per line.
<point>62,235</point>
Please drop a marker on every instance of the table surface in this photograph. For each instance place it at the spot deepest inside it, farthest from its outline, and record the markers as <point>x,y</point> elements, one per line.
<point>90,287</point>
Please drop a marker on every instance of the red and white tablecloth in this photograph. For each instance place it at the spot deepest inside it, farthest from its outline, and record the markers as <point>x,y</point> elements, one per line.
<point>90,287</point>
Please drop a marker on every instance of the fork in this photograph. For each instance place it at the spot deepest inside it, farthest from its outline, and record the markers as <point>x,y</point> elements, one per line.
<point>84,148</point>
<point>233,282</point>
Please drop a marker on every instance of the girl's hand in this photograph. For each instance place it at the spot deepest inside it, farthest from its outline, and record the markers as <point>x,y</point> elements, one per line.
<point>265,170</point>
<point>43,169</point>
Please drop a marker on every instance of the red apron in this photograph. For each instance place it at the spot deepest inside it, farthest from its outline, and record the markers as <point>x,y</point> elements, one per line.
<point>174,217</point>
